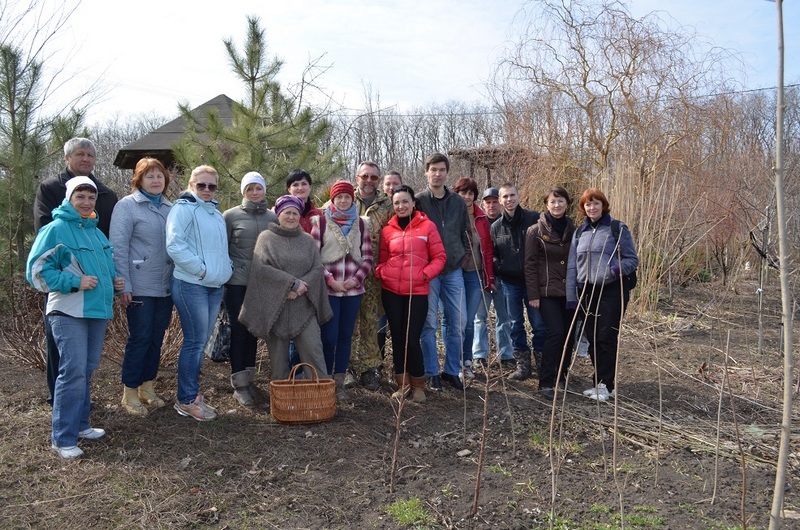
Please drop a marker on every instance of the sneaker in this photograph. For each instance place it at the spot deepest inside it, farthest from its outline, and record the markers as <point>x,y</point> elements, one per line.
<point>371,379</point>
<point>479,363</point>
<point>92,434</point>
<point>197,409</point>
<point>466,371</point>
<point>67,453</point>
<point>600,392</point>
<point>547,393</point>
<point>508,364</point>
<point>453,380</point>
<point>435,383</point>
<point>350,380</point>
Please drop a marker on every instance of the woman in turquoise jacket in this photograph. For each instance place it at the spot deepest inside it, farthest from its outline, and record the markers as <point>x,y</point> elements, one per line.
<point>72,260</point>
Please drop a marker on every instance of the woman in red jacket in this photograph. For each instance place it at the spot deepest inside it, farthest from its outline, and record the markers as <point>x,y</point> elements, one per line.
<point>411,255</point>
<point>478,267</point>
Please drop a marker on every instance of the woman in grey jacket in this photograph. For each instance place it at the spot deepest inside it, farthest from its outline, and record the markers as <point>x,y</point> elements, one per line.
<point>244,223</point>
<point>598,260</point>
<point>198,244</point>
<point>138,234</point>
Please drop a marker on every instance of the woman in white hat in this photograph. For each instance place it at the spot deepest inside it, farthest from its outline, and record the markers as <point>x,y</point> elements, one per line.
<point>244,223</point>
<point>72,261</point>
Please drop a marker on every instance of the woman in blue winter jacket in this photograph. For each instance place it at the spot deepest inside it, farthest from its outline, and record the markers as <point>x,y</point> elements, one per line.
<point>599,259</point>
<point>197,242</point>
<point>72,260</point>
<point>138,233</point>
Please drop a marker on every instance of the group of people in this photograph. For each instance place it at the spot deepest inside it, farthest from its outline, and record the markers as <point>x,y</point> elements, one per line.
<point>303,278</point>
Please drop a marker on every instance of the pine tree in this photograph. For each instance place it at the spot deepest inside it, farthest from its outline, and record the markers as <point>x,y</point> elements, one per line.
<point>271,133</point>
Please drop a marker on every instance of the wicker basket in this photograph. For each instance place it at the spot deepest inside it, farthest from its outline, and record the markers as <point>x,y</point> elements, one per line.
<point>302,400</point>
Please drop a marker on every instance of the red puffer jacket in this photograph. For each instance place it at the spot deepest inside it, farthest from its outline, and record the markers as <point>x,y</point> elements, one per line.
<point>410,258</point>
<point>482,227</point>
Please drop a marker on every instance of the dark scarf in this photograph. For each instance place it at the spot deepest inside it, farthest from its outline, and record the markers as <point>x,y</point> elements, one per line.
<point>559,224</point>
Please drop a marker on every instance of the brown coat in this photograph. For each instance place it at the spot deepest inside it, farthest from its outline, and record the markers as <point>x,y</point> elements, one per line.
<point>546,255</point>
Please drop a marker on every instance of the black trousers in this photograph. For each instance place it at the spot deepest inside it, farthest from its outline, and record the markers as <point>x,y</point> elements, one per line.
<point>557,318</point>
<point>406,316</point>
<point>243,343</point>
<point>603,307</point>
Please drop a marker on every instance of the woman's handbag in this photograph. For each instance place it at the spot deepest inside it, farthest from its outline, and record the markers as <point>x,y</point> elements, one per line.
<point>302,400</point>
<point>218,347</point>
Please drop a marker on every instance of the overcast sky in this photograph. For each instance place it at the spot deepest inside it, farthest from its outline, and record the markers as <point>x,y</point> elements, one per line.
<point>152,54</point>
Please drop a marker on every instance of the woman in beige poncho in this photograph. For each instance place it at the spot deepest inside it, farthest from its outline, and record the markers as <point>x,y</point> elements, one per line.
<point>286,294</point>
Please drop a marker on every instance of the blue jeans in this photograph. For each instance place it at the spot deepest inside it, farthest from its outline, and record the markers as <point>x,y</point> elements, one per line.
<point>473,292</point>
<point>80,341</point>
<point>337,333</point>
<point>516,297</point>
<point>148,319</point>
<point>198,307</point>
<point>502,332</point>
<point>447,290</point>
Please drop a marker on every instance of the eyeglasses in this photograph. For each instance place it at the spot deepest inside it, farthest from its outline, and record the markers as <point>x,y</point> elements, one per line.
<point>204,186</point>
<point>369,177</point>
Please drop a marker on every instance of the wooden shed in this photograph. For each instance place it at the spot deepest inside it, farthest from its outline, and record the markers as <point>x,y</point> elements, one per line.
<point>159,143</point>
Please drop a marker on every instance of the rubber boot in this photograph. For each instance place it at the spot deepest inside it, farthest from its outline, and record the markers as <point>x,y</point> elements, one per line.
<point>341,393</point>
<point>523,370</point>
<point>131,403</point>
<point>537,359</point>
<point>403,388</point>
<point>252,371</point>
<point>382,344</point>
<point>418,389</point>
<point>147,394</point>
<point>240,381</point>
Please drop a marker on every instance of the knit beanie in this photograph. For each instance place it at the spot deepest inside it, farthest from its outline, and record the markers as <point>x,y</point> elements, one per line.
<point>288,201</point>
<point>253,177</point>
<point>340,187</point>
<point>74,182</point>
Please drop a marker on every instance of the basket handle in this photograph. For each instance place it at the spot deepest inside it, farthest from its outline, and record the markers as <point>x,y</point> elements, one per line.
<point>298,365</point>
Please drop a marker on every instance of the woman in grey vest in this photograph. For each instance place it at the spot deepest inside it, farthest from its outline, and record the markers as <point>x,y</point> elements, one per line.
<point>244,223</point>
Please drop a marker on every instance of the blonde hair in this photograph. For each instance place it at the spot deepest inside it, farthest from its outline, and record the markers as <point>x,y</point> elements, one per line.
<point>199,170</point>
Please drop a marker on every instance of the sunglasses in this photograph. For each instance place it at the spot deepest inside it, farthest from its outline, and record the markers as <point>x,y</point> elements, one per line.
<point>204,186</point>
<point>369,177</point>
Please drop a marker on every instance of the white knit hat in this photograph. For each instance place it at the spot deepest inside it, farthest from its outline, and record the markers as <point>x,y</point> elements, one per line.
<point>74,182</point>
<point>253,177</point>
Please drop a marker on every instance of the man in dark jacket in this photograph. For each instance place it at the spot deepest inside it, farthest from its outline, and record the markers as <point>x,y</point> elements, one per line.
<point>490,201</point>
<point>79,153</point>
<point>508,238</point>
<point>448,211</point>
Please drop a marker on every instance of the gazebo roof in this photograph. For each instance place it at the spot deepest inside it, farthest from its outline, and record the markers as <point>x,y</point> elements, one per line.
<point>159,143</point>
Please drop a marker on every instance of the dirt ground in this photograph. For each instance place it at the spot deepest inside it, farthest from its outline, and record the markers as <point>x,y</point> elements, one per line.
<point>671,453</point>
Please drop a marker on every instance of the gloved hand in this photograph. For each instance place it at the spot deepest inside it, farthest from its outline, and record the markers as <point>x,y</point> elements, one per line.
<point>615,271</point>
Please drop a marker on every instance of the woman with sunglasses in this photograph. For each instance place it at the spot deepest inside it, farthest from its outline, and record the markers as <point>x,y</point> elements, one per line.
<point>197,242</point>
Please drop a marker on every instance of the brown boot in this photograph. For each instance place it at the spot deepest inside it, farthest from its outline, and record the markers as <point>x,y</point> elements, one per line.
<point>147,394</point>
<point>523,371</point>
<point>403,388</point>
<point>131,403</point>
<point>418,389</point>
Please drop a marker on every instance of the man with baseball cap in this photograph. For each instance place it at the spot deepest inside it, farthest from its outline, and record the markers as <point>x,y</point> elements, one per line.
<point>480,344</point>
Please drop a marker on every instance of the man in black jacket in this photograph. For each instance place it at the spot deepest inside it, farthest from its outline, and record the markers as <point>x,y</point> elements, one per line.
<point>79,154</point>
<point>508,238</point>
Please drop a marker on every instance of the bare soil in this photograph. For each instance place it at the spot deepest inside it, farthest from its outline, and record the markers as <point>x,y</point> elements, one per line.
<point>673,452</point>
